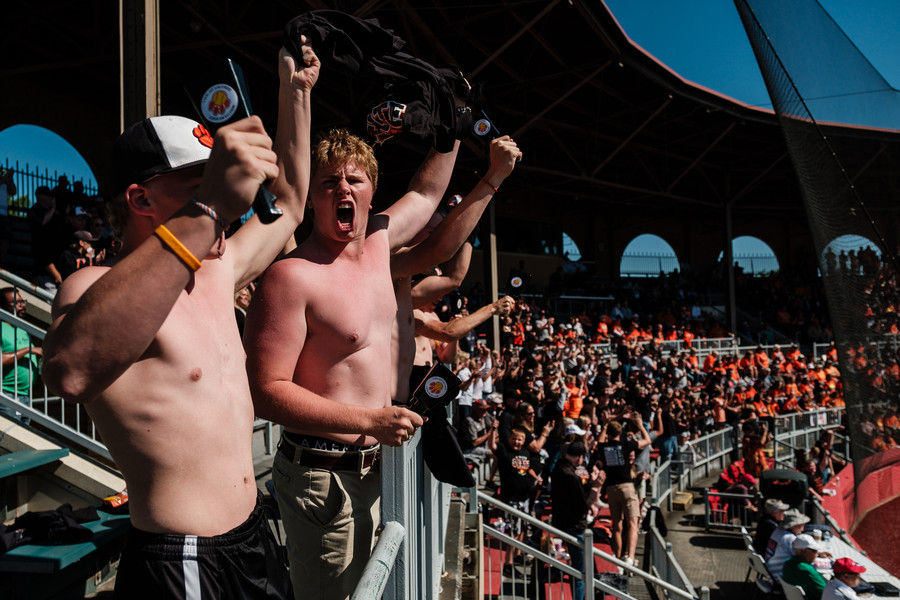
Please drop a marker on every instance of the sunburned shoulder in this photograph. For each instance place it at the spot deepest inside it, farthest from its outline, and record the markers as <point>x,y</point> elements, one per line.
<point>288,268</point>
<point>74,286</point>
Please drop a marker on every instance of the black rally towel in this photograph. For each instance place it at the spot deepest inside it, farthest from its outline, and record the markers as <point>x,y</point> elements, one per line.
<point>361,47</point>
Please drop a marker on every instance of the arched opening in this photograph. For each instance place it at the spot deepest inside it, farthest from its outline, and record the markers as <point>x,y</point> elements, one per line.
<point>648,255</point>
<point>753,256</point>
<point>37,157</point>
<point>570,248</point>
<point>572,254</point>
<point>850,254</point>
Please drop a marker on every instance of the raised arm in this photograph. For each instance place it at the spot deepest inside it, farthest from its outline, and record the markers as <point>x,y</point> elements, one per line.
<point>457,328</point>
<point>448,237</point>
<point>86,347</point>
<point>255,244</point>
<point>408,215</point>
<point>434,287</point>
<point>639,424</point>
<point>280,305</point>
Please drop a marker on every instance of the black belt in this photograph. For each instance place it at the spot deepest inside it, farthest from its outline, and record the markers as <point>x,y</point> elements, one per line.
<point>357,461</point>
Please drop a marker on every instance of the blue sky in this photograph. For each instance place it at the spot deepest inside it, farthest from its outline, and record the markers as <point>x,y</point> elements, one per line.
<point>702,40</point>
<point>32,145</point>
<point>705,42</point>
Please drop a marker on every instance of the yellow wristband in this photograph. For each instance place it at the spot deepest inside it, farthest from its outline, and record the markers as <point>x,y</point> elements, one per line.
<point>177,247</point>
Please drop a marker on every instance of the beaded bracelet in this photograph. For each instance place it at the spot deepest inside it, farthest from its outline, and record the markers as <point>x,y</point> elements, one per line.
<point>173,243</point>
<point>496,189</point>
<point>211,212</point>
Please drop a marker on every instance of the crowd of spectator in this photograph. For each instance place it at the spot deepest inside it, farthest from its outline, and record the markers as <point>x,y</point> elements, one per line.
<point>69,231</point>
<point>611,373</point>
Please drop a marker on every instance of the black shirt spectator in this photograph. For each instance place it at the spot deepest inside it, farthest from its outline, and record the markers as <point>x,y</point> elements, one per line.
<point>768,523</point>
<point>570,493</point>
<point>48,233</point>
<point>617,458</point>
<point>514,465</point>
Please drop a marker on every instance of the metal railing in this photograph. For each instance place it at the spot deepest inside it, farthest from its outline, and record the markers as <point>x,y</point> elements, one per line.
<point>28,178</point>
<point>375,575</point>
<point>703,346</point>
<point>823,517</point>
<point>555,567</point>
<point>880,340</point>
<point>15,281</point>
<point>69,421</point>
<point>724,510</point>
<point>661,484</point>
<point>646,264</point>
<point>664,565</point>
<point>413,498</point>
<point>649,264</point>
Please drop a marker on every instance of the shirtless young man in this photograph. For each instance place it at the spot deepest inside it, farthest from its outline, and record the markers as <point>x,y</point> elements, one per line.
<point>318,339</point>
<point>150,344</point>
<point>445,241</point>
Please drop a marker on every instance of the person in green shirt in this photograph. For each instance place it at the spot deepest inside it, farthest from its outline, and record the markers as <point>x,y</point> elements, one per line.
<point>20,356</point>
<point>799,569</point>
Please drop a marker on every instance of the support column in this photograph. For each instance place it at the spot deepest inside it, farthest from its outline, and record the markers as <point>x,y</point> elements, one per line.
<point>139,93</point>
<point>490,275</point>
<point>728,263</point>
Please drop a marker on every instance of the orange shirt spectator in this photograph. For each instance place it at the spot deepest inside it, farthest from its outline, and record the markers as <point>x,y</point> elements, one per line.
<point>761,358</point>
<point>574,403</point>
<point>693,360</point>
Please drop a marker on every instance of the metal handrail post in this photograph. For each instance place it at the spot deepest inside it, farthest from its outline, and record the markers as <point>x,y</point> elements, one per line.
<point>706,509</point>
<point>375,575</point>
<point>588,566</point>
<point>24,284</point>
<point>570,539</point>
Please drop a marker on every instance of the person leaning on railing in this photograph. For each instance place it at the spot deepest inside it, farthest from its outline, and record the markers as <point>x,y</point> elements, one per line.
<point>20,356</point>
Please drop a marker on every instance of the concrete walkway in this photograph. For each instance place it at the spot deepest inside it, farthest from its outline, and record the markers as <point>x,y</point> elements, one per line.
<point>716,559</point>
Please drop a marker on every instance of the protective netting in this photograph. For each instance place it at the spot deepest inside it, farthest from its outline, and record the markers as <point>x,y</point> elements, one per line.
<point>816,75</point>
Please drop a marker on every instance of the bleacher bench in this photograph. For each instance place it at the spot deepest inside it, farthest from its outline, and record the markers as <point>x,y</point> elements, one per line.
<point>25,460</point>
<point>50,558</point>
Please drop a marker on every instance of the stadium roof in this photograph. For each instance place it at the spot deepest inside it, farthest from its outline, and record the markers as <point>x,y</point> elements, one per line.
<point>607,130</point>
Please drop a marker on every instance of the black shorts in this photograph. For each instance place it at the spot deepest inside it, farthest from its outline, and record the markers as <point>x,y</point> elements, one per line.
<point>244,563</point>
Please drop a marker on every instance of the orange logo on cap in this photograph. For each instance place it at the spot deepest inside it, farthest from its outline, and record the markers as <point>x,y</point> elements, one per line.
<point>202,134</point>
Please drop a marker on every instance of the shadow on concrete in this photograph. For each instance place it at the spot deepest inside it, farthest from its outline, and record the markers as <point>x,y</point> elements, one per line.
<point>717,542</point>
<point>733,590</point>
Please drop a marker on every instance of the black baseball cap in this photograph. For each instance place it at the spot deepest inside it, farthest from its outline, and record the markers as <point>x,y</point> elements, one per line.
<point>158,145</point>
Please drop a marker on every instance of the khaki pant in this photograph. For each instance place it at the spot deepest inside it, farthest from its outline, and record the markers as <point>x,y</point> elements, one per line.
<point>330,519</point>
<point>623,501</point>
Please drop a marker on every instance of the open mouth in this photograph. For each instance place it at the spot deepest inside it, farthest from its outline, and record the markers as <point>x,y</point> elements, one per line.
<point>345,216</point>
